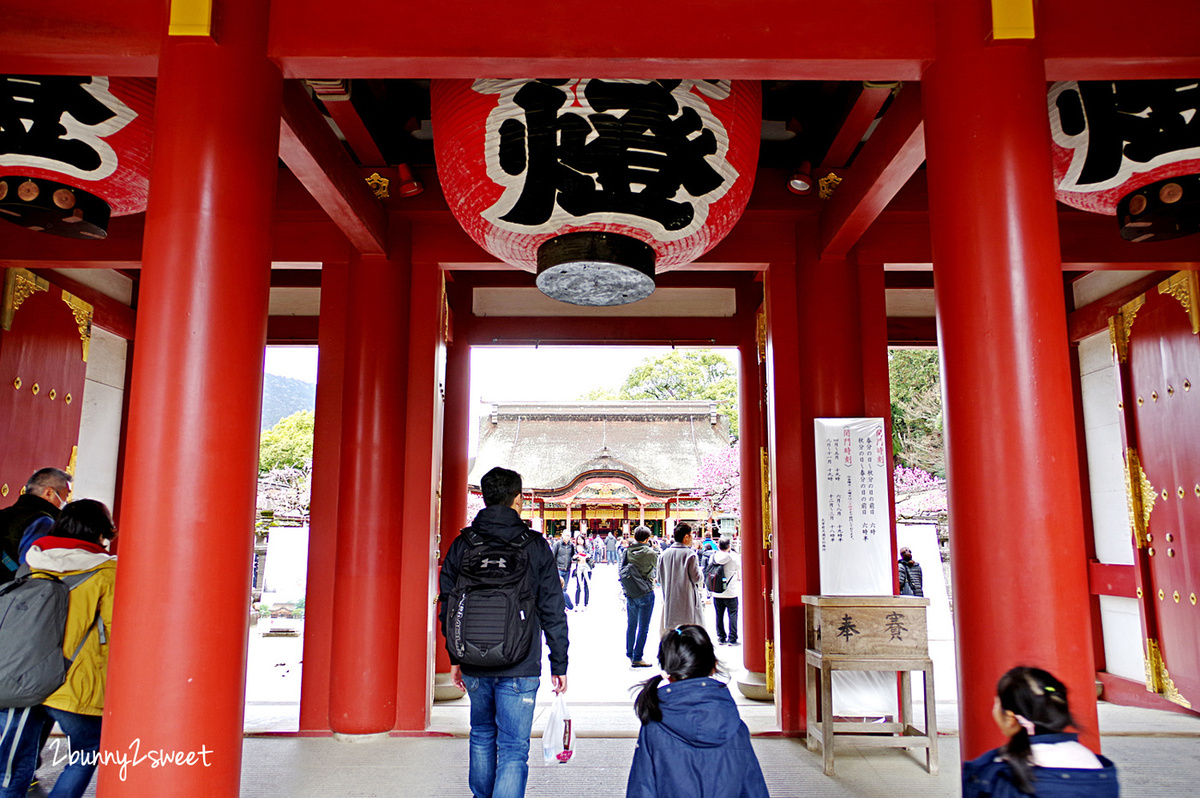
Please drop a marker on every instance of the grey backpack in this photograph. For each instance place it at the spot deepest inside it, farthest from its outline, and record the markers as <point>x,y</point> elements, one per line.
<point>33,622</point>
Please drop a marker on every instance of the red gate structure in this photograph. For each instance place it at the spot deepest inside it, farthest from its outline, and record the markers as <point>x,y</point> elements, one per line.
<point>904,194</point>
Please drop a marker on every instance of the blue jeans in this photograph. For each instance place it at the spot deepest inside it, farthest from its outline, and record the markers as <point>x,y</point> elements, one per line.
<point>638,611</point>
<point>20,739</point>
<point>501,720</point>
<point>79,751</point>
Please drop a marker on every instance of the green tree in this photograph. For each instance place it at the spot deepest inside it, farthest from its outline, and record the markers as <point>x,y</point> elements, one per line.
<point>916,393</point>
<point>686,374</point>
<point>289,443</point>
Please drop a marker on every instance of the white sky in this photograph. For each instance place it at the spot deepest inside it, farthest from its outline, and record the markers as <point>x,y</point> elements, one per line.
<point>499,374</point>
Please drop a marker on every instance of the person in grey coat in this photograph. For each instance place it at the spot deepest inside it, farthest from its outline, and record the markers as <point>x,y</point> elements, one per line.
<point>910,575</point>
<point>679,574</point>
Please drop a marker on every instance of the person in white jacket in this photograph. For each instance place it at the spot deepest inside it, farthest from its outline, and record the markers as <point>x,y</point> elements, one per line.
<point>726,602</point>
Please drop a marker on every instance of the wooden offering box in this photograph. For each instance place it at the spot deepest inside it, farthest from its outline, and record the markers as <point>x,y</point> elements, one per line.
<point>867,633</point>
<point>866,627</point>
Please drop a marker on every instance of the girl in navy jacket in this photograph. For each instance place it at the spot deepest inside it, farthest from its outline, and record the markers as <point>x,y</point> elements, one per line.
<point>1041,758</point>
<point>693,743</point>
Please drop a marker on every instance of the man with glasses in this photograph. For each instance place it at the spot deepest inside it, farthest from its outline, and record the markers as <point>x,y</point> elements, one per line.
<point>45,493</point>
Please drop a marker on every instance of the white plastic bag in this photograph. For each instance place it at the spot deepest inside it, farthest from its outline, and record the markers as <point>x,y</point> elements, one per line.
<point>558,740</point>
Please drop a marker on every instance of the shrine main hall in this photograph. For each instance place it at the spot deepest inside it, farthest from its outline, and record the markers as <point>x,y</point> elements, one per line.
<point>185,182</point>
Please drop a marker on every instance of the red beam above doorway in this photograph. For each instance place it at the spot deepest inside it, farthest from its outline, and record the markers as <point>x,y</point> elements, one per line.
<point>889,158</point>
<point>317,158</point>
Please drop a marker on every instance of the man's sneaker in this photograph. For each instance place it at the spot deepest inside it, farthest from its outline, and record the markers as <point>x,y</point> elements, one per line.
<point>642,664</point>
<point>734,643</point>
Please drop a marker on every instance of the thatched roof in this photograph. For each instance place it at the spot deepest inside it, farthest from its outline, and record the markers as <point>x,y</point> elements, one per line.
<point>658,445</point>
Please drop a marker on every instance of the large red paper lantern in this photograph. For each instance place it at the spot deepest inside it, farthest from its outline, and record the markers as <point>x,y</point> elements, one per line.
<point>74,151</point>
<point>1130,149</point>
<point>596,184</point>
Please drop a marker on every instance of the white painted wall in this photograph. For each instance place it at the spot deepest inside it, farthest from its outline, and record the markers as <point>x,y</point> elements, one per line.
<point>100,424</point>
<point>1119,618</point>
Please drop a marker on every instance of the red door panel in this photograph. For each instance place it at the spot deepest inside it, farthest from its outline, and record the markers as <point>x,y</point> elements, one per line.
<point>1164,371</point>
<point>42,371</point>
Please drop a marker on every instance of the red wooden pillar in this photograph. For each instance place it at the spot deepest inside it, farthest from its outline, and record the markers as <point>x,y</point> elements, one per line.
<point>754,554</point>
<point>785,431</point>
<point>1013,479</point>
<point>456,434</point>
<point>363,664</point>
<point>422,471</point>
<point>176,678</point>
<point>323,513</point>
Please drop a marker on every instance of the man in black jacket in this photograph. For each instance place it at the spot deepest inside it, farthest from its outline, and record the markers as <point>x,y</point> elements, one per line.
<point>909,571</point>
<point>45,492</point>
<point>503,699</point>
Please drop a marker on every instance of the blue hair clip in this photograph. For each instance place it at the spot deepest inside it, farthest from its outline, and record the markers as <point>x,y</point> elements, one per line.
<point>679,631</point>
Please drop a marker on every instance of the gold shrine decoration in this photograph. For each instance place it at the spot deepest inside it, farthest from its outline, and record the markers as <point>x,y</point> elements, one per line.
<point>760,334</point>
<point>19,285</point>
<point>766,498</point>
<point>827,185</point>
<point>770,674</point>
<point>1139,498</point>
<point>83,319</point>
<point>1158,680</point>
<point>1120,325</point>
<point>70,469</point>
<point>379,184</point>
<point>1185,287</point>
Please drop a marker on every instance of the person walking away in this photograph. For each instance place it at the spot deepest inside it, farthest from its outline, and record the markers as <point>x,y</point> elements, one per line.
<point>45,492</point>
<point>610,547</point>
<point>679,574</point>
<point>76,545</point>
<point>909,571</point>
<point>639,598</point>
<point>692,741</point>
<point>503,698</point>
<point>725,603</point>
<point>1041,758</point>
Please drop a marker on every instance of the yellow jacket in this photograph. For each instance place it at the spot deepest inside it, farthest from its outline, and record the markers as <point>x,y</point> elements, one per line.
<point>83,690</point>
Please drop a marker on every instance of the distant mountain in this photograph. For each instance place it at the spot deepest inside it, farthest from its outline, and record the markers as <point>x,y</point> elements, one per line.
<point>283,396</point>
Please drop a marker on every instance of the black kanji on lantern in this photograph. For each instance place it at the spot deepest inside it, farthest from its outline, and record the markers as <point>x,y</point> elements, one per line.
<point>630,151</point>
<point>1139,120</point>
<point>33,109</point>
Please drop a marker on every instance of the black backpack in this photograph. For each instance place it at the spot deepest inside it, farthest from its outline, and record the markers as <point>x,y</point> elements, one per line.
<point>633,581</point>
<point>714,577</point>
<point>33,622</point>
<point>490,614</point>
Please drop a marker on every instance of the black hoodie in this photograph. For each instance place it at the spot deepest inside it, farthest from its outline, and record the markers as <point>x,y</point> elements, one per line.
<point>503,522</point>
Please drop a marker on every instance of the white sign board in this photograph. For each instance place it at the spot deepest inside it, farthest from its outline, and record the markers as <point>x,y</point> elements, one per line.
<point>853,525</point>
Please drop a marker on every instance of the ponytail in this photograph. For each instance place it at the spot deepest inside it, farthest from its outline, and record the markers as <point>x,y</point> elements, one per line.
<point>646,704</point>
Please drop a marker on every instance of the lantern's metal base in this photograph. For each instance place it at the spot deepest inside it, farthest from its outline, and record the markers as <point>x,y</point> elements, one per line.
<point>48,207</point>
<point>595,269</point>
<point>1167,209</point>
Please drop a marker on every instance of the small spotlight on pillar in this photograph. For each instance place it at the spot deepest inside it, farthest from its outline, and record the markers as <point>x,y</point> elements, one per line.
<point>801,181</point>
<point>409,185</point>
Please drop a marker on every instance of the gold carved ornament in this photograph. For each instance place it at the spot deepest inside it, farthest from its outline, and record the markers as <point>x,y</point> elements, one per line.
<point>19,285</point>
<point>1185,287</point>
<point>766,501</point>
<point>379,184</point>
<point>70,469</point>
<point>1139,498</point>
<point>760,334</point>
<point>827,185</point>
<point>770,674</point>
<point>1158,680</point>
<point>83,319</point>
<point>1120,325</point>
